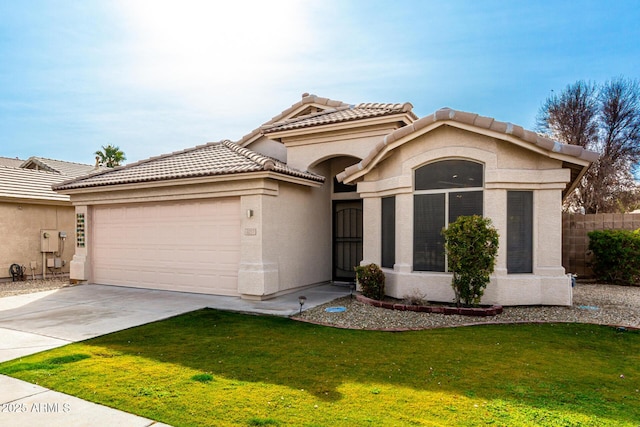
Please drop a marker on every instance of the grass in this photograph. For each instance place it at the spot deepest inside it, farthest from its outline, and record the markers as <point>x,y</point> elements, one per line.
<point>227,369</point>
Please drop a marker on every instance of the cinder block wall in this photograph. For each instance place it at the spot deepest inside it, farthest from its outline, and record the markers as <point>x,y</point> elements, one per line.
<point>575,241</point>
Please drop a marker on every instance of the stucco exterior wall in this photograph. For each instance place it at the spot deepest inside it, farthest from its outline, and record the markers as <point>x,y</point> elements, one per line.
<point>288,244</point>
<point>506,167</point>
<point>302,223</point>
<point>20,230</point>
<point>303,152</point>
<point>268,147</point>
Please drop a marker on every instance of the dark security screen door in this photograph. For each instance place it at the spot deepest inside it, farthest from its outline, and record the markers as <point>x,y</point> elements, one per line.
<point>347,238</point>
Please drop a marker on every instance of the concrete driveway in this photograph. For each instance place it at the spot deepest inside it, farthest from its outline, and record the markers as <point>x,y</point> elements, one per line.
<point>41,321</point>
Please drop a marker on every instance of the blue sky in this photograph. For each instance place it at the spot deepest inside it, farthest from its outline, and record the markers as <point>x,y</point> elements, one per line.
<point>153,76</point>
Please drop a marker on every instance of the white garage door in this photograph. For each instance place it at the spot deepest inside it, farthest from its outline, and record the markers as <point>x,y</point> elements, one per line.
<point>185,246</point>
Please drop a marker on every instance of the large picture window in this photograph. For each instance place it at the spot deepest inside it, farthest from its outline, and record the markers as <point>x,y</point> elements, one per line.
<point>444,191</point>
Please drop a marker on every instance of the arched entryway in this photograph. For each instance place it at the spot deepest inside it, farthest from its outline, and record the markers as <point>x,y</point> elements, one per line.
<point>346,219</point>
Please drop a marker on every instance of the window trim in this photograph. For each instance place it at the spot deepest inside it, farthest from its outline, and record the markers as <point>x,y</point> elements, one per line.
<point>446,192</point>
<point>530,230</point>
<point>391,233</point>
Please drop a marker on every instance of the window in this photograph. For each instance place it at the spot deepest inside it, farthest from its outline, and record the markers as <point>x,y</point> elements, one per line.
<point>444,191</point>
<point>519,232</point>
<point>388,231</point>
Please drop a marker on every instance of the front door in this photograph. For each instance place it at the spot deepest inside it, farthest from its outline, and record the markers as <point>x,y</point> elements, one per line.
<point>347,238</point>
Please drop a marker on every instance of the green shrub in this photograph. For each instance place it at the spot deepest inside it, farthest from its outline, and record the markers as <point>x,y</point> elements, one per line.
<point>371,280</point>
<point>616,256</point>
<point>471,244</point>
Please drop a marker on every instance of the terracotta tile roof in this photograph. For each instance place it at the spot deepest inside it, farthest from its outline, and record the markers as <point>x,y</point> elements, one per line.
<point>30,185</point>
<point>212,159</point>
<point>449,115</point>
<point>340,114</point>
<point>68,169</point>
<point>10,162</point>
<point>308,103</point>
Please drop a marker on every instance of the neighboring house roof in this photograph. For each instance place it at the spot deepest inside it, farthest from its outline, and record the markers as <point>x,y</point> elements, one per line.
<point>212,159</point>
<point>68,169</point>
<point>30,181</point>
<point>27,185</point>
<point>340,114</point>
<point>10,162</point>
<point>582,157</point>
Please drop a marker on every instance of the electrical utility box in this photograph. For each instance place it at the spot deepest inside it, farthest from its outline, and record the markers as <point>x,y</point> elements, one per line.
<point>49,241</point>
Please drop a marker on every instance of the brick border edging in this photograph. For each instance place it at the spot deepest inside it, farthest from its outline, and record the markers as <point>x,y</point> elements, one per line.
<point>463,311</point>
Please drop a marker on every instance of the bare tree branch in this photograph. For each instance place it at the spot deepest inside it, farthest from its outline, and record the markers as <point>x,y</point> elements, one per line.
<point>604,118</point>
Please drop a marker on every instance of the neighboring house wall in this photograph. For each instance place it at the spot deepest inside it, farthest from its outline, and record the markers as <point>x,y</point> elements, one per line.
<point>506,168</point>
<point>20,233</point>
<point>575,239</point>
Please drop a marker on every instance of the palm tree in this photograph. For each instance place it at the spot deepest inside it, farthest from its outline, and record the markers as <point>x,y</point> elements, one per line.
<point>110,156</point>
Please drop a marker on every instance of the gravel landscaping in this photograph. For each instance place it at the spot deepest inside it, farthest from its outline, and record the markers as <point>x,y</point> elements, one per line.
<point>28,286</point>
<point>592,303</point>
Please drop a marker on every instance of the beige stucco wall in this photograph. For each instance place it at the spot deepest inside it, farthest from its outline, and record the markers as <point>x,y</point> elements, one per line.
<point>268,147</point>
<point>303,152</point>
<point>20,230</point>
<point>507,167</point>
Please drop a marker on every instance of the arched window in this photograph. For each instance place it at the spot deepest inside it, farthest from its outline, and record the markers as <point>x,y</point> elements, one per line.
<point>443,191</point>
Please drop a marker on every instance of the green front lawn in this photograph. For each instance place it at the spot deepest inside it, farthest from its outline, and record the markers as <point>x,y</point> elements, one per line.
<point>226,369</point>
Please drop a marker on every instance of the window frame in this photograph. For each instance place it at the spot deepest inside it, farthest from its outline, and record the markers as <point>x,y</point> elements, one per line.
<point>388,232</point>
<point>447,195</point>
<point>525,237</point>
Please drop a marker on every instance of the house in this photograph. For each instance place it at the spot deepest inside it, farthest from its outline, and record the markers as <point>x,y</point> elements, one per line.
<point>29,208</point>
<point>325,186</point>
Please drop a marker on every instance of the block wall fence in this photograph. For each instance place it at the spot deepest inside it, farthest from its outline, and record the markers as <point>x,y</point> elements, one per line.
<point>575,241</point>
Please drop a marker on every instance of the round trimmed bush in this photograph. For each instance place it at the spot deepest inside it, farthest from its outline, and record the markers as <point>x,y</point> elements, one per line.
<point>371,280</point>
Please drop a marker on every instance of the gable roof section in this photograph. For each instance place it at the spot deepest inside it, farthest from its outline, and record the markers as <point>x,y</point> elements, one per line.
<point>309,104</point>
<point>27,185</point>
<point>574,157</point>
<point>341,114</point>
<point>212,159</point>
<point>68,169</point>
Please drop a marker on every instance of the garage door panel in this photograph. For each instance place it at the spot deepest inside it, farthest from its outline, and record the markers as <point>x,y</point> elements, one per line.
<point>189,247</point>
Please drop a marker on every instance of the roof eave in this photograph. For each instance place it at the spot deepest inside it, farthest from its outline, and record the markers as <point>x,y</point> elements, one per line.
<point>401,136</point>
<point>189,181</point>
<point>35,200</point>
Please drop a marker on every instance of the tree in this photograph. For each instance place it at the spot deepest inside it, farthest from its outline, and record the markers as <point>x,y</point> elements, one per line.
<point>110,156</point>
<point>603,118</point>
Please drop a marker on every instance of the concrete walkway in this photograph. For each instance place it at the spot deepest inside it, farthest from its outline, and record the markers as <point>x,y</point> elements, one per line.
<point>41,321</point>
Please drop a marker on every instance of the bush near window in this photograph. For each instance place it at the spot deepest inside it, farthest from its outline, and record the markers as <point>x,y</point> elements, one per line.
<point>471,244</point>
<point>616,256</point>
<point>371,280</point>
